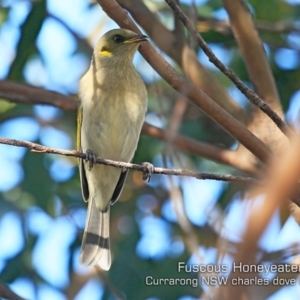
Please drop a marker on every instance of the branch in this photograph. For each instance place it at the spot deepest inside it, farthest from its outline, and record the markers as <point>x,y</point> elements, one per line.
<point>259,71</point>
<point>175,45</point>
<point>26,94</point>
<point>204,24</point>
<point>6,293</point>
<point>206,150</point>
<point>113,289</point>
<point>281,184</point>
<point>77,281</point>
<point>251,47</point>
<point>187,88</point>
<point>138,167</point>
<point>83,42</point>
<point>277,27</point>
<point>253,97</point>
<point>222,26</point>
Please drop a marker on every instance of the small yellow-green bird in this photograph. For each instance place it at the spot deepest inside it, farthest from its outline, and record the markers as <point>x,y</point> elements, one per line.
<point>112,107</point>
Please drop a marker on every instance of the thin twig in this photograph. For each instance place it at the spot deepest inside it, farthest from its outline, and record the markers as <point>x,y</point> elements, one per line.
<point>252,96</point>
<point>223,26</point>
<point>113,289</point>
<point>138,167</point>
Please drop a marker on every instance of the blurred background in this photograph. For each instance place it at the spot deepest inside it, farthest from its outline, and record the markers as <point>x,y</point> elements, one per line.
<point>48,44</point>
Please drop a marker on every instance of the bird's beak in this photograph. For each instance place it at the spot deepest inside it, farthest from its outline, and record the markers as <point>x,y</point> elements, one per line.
<point>137,39</point>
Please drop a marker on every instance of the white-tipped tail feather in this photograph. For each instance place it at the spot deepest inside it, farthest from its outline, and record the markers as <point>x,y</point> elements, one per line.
<point>95,248</point>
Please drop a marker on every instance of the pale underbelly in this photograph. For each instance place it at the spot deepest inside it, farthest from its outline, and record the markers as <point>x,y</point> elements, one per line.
<point>112,141</point>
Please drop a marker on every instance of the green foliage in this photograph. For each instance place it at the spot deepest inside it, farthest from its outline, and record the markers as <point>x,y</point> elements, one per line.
<point>273,10</point>
<point>37,181</point>
<point>3,14</point>
<point>29,33</point>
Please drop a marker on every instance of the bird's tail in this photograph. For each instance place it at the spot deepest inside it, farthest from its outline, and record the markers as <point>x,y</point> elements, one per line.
<point>95,248</point>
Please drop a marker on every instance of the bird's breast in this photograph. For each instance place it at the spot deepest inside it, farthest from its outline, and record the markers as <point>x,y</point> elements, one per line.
<point>113,114</point>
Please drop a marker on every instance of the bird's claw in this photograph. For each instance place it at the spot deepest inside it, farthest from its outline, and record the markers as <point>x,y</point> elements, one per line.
<point>91,158</point>
<point>148,171</point>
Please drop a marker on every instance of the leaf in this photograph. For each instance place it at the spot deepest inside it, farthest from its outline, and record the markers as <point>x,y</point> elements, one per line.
<point>3,14</point>
<point>29,32</point>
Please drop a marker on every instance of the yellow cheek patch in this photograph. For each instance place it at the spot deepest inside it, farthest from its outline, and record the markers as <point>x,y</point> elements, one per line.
<point>106,53</point>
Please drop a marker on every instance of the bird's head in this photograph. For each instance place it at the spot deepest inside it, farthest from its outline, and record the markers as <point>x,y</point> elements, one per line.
<point>118,43</point>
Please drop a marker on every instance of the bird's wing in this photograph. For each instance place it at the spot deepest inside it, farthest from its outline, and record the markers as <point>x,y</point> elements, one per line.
<point>79,124</point>
<point>83,180</point>
<point>119,187</point>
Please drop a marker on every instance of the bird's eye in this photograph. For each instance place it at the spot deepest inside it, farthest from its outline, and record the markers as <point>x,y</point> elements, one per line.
<point>118,39</point>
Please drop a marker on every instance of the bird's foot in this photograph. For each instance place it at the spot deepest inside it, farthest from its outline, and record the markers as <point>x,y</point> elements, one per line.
<point>148,171</point>
<point>91,158</point>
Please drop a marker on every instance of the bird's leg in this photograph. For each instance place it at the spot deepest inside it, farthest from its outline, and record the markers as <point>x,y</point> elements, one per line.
<point>148,171</point>
<point>91,158</point>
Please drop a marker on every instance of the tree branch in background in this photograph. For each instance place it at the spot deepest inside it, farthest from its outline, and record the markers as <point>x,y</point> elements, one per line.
<point>118,164</point>
<point>190,237</point>
<point>187,88</point>
<point>277,27</point>
<point>26,94</point>
<point>176,46</point>
<point>251,47</point>
<point>253,97</point>
<point>176,119</point>
<point>78,281</point>
<point>206,23</point>
<point>6,293</point>
<point>258,68</point>
<point>83,42</point>
<point>202,149</point>
<point>282,183</point>
<point>113,289</point>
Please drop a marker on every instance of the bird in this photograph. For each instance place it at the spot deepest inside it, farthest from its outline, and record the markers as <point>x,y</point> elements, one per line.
<point>111,112</point>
